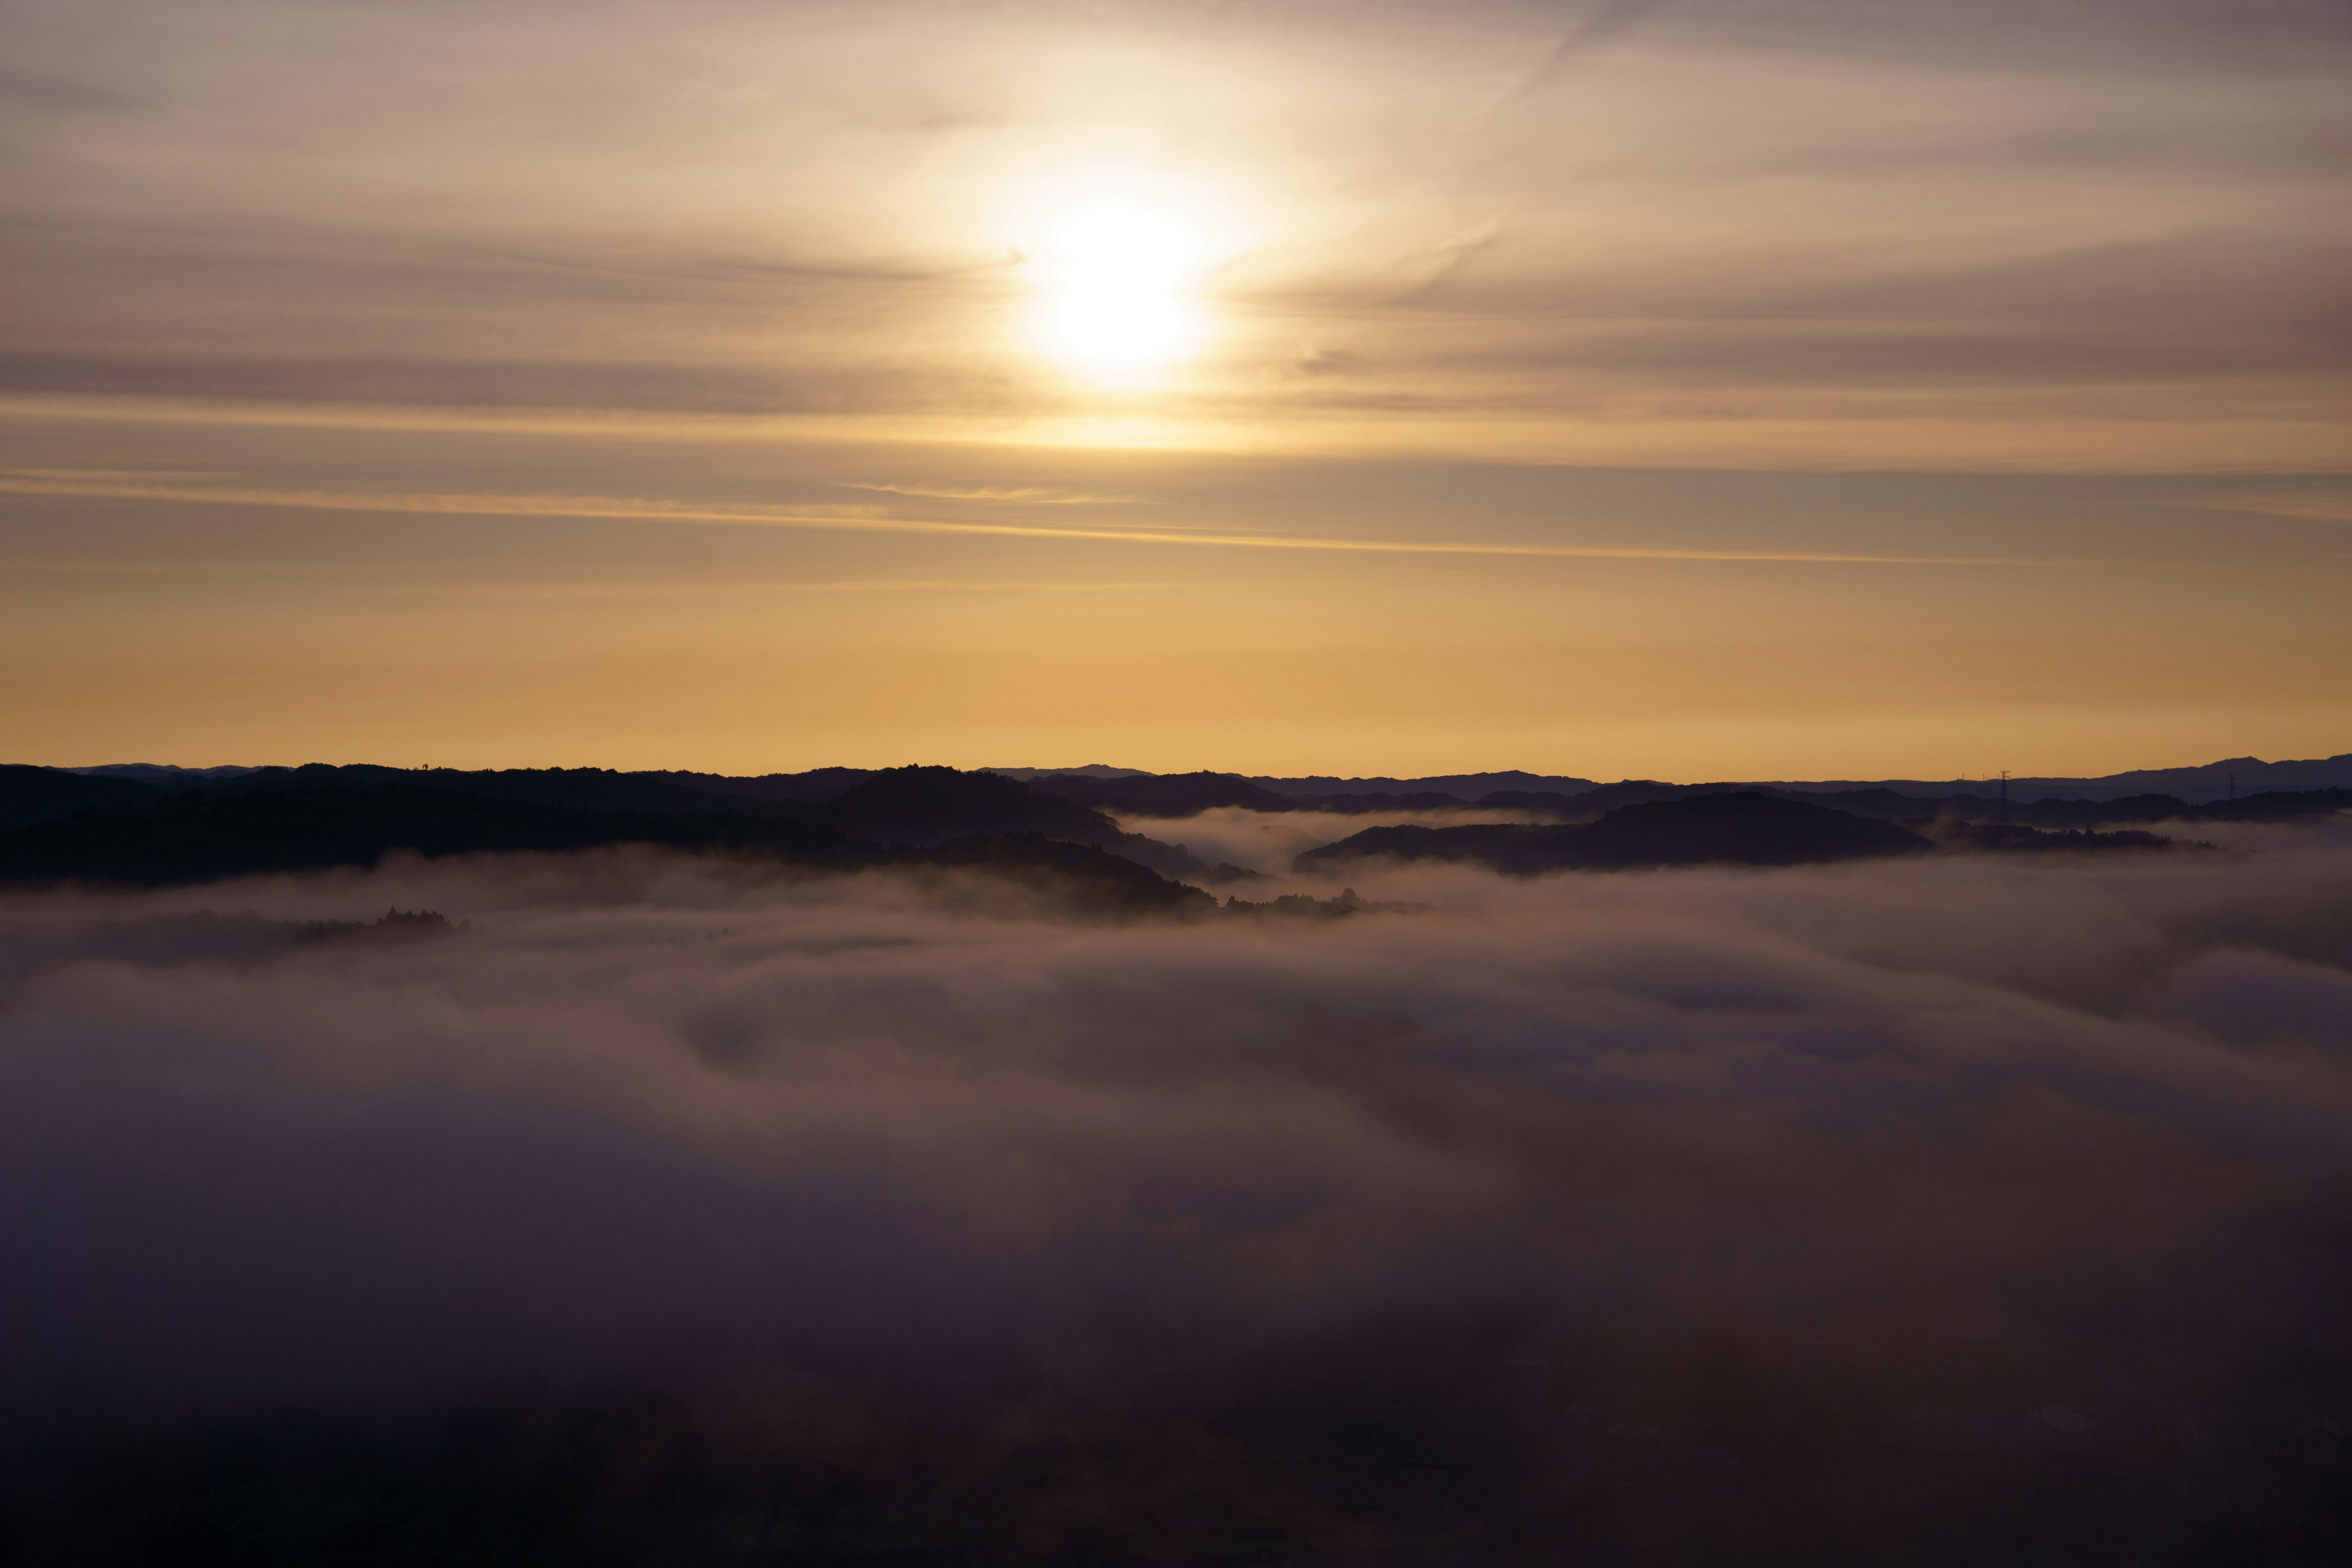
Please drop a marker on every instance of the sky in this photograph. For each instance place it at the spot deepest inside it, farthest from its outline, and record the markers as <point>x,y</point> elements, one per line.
<point>1687,390</point>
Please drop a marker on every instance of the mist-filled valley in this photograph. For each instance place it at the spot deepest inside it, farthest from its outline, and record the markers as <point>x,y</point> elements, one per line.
<point>662,1204</point>
<point>1269,842</point>
<point>1133,783</point>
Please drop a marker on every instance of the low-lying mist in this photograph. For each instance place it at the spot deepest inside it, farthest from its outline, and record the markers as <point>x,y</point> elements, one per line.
<point>1268,840</point>
<point>1764,1169</point>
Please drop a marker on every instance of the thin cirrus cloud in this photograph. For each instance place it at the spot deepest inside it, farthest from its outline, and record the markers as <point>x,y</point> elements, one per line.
<point>1671,199</point>
<point>2318,506</point>
<point>875,520</point>
<point>1042,495</point>
<point>640,267</point>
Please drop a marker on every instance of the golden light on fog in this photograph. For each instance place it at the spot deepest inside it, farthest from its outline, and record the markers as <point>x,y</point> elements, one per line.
<point>1116,267</point>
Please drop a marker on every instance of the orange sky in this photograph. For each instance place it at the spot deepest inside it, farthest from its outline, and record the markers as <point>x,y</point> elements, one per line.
<point>1688,391</point>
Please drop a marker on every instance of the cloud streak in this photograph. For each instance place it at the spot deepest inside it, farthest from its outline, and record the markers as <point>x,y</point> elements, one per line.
<point>873,521</point>
<point>1043,495</point>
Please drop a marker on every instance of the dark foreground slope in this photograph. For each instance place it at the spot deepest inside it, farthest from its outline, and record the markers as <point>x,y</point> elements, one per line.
<point>1741,829</point>
<point>199,837</point>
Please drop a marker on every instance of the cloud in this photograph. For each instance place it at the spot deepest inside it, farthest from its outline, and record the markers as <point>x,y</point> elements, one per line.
<point>57,95</point>
<point>876,520</point>
<point>1269,841</point>
<point>733,587</point>
<point>649,1110</point>
<point>2318,506</point>
<point>1743,1159</point>
<point>1043,495</point>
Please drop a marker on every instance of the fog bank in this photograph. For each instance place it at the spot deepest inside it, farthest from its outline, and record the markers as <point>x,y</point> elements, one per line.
<point>1269,840</point>
<point>652,1115</point>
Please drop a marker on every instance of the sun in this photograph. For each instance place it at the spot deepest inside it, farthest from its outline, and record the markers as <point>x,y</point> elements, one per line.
<point>1116,289</point>
<point>1116,268</point>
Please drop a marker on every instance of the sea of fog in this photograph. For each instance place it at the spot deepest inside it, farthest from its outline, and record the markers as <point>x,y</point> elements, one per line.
<point>692,1123</point>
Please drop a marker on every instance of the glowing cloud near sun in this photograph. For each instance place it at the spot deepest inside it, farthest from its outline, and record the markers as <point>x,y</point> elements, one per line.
<point>1115,265</point>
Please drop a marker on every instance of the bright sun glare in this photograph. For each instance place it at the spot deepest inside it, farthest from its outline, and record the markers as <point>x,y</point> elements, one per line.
<point>1116,268</point>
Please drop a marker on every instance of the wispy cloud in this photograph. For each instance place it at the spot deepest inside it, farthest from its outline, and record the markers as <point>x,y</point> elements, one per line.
<point>694,590</point>
<point>2319,506</point>
<point>1035,495</point>
<point>863,520</point>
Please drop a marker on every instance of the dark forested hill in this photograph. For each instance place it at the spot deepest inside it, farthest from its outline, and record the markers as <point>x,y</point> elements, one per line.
<point>582,789</point>
<point>810,788</point>
<point>42,795</point>
<point>1163,795</point>
<point>1741,827</point>
<point>198,836</point>
<point>1460,787</point>
<point>2275,806</point>
<point>930,806</point>
<point>194,837</point>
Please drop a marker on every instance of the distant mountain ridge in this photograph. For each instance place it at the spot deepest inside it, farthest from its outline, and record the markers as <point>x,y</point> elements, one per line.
<point>2200,784</point>
<point>1463,786</point>
<point>62,826</point>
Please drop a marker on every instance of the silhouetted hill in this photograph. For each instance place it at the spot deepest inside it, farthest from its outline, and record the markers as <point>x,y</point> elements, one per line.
<point>1738,828</point>
<point>163,773</point>
<point>921,805</point>
<point>42,795</point>
<point>1742,825</point>
<point>2276,806</point>
<point>1163,794</point>
<point>1532,800</point>
<point>1365,804</point>
<point>1094,880</point>
<point>1188,794</point>
<point>1882,803</point>
<point>2273,807</point>
<point>194,836</point>
<point>930,806</point>
<point>584,789</point>
<point>814,787</point>
<point>1643,792</point>
<point>1084,770</point>
<point>2013,836</point>
<point>1461,788</point>
<point>198,837</point>
<point>2206,784</point>
<point>918,806</point>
